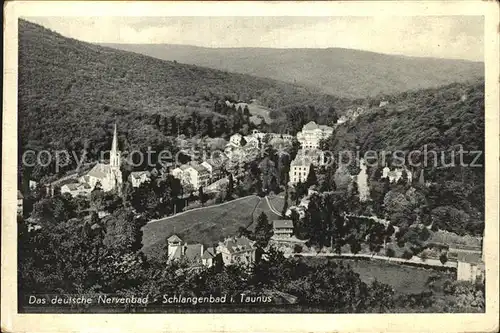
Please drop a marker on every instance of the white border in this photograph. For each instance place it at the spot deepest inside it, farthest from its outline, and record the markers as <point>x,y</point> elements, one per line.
<point>13,322</point>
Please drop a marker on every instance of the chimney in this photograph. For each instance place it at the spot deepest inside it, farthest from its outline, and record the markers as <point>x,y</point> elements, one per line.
<point>201,254</point>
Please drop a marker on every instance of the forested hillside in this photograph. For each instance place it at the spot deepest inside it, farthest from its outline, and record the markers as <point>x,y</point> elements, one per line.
<point>71,92</point>
<point>341,72</point>
<point>438,135</point>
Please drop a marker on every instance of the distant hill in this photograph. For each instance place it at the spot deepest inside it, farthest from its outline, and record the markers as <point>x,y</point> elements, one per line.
<point>341,72</point>
<point>71,92</point>
<point>438,121</point>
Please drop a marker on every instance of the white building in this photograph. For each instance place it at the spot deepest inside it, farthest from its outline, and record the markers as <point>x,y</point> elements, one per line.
<point>214,168</point>
<point>312,133</point>
<point>235,140</point>
<point>139,177</point>
<point>470,267</point>
<point>194,254</point>
<point>251,141</point>
<point>257,134</point>
<point>179,171</point>
<point>396,174</point>
<point>237,250</point>
<point>198,175</point>
<point>299,167</point>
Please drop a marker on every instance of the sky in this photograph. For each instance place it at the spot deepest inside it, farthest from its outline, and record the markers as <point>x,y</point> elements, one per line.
<point>456,37</point>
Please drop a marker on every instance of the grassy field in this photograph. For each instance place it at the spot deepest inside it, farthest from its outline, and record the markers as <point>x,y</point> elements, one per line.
<point>403,279</point>
<point>206,226</point>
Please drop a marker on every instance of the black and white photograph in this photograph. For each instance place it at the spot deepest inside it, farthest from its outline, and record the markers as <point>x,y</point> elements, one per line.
<point>253,164</point>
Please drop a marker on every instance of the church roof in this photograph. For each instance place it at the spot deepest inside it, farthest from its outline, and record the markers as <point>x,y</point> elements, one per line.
<point>310,126</point>
<point>100,170</point>
<point>238,244</point>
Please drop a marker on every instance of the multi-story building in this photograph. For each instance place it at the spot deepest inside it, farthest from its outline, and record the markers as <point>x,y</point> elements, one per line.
<point>194,254</point>
<point>312,133</point>
<point>198,175</point>
<point>109,176</point>
<point>76,189</point>
<point>214,167</point>
<point>179,171</point>
<point>282,228</point>
<point>251,141</point>
<point>237,250</point>
<point>299,167</point>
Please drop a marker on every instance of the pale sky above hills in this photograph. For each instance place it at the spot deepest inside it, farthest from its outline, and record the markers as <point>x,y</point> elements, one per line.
<point>457,37</point>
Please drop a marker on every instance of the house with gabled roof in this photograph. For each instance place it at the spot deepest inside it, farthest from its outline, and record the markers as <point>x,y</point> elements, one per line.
<point>75,189</point>
<point>136,178</point>
<point>194,254</point>
<point>236,250</point>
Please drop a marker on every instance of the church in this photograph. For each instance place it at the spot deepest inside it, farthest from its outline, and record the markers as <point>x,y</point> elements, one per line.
<point>108,176</point>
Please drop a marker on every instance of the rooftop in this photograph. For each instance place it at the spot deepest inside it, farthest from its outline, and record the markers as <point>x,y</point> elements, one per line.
<point>99,170</point>
<point>282,224</point>
<point>236,244</point>
<point>139,174</point>
<point>310,126</point>
<point>174,238</point>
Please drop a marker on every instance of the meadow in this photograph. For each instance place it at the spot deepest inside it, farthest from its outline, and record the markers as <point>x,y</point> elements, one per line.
<point>403,279</point>
<point>206,225</point>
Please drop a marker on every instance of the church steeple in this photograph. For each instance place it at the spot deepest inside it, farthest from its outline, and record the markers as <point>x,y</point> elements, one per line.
<point>114,156</point>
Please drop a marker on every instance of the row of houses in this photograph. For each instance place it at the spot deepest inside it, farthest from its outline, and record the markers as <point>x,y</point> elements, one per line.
<point>309,154</point>
<point>202,174</point>
<point>253,140</point>
<point>199,174</point>
<point>232,250</point>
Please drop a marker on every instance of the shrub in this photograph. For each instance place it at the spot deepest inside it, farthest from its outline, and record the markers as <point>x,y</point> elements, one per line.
<point>390,253</point>
<point>297,248</point>
<point>424,255</point>
<point>443,258</point>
